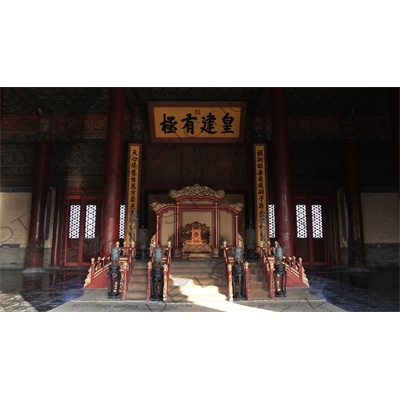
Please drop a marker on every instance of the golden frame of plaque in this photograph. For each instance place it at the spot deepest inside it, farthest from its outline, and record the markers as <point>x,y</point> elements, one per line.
<point>197,122</point>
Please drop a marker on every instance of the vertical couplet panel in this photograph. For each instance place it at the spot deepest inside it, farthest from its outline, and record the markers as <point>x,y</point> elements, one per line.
<point>260,193</point>
<point>132,190</point>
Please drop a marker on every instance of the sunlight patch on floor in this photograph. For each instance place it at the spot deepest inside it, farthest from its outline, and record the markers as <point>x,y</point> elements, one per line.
<point>228,306</point>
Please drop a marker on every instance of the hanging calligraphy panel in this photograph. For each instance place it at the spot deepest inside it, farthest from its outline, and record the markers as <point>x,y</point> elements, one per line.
<point>132,192</point>
<point>260,194</point>
<point>197,121</point>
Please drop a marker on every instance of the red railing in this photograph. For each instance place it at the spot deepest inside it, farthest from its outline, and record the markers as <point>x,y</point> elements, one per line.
<point>97,268</point>
<point>148,288</point>
<point>267,257</point>
<point>97,274</point>
<point>127,263</point>
<point>228,260</point>
<point>246,274</point>
<point>294,268</point>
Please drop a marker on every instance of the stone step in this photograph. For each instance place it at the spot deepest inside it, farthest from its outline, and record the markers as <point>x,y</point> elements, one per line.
<point>181,297</point>
<point>192,289</point>
<point>206,281</point>
<point>258,286</point>
<point>138,279</point>
<point>196,281</point>
<point>141,264</point>
<point>260,295</point>
<point>136,295</point>
<point>133,286</point>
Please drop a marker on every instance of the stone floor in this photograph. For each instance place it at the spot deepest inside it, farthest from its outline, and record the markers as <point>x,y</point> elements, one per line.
<point>370,291</point>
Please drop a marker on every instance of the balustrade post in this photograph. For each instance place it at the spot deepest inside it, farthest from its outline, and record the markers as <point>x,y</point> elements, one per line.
<point>149,266</point>
<point>246,274</point>
<point>230,291</point>
<point>165,288</point>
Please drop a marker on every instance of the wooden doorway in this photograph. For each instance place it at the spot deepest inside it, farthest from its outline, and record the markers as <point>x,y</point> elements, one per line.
<point>82,230</point>
<point>310,242</point>
<point>314,229</point>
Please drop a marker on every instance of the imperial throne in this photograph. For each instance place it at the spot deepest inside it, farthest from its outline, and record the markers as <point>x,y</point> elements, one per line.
<point>196,244</point>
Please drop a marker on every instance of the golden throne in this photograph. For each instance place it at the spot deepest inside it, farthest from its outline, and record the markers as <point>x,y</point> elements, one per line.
<point>196,244</point>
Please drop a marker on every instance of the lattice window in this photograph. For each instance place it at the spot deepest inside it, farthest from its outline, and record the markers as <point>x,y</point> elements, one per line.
<point>74,221</point>
<point>301,221</point>
<point>271,220</point>
<point>316,218</point>
<point>90,221</point>
<point>122,221</point>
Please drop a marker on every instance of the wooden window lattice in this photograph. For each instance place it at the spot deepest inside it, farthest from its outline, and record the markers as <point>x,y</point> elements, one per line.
<point>316,218</point>
<point>301,221</point>
<point>90,221</point>
<point>74,221</point>
<point>122,221</point>
<point>271,220</point>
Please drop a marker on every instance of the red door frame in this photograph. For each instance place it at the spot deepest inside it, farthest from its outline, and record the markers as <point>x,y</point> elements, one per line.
<point>330,223</point>
<point>82,244</point>
<point>310,200</point>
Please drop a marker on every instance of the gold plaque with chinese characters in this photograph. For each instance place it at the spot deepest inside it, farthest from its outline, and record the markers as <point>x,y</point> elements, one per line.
<point>197,121</point>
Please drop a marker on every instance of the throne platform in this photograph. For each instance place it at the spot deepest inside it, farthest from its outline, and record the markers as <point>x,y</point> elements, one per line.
<point>196,222</point>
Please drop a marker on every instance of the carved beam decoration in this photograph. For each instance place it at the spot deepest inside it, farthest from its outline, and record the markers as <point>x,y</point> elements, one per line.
<point>196,191</point>
<point>235,206</point>
<point>156,206</point>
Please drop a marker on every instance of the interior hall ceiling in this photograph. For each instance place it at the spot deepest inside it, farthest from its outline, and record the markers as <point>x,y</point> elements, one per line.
<point>300,101</point>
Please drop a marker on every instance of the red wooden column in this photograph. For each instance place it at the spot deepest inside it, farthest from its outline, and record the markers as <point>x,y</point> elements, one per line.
<point>35,249</point>
<point>113,170</point>
<point>284,209</point>
<point>58,226</point>
<point>353,195</point>
<point>394,94</point>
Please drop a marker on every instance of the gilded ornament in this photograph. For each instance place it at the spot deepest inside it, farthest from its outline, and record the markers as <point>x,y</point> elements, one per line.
<point>88,279</point>
<point>153,242</point>
<point>157,206</point>
<point>236,206</point>
<point>196,190</point>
